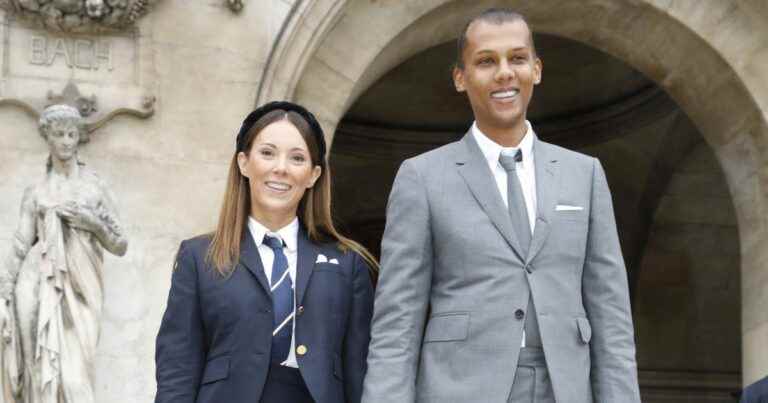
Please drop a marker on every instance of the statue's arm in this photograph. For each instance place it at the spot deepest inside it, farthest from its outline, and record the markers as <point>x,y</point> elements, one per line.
<point>23,239</point>
<point>110,232</point>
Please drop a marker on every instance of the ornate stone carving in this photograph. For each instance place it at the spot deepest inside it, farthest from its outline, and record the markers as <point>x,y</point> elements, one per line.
<point>235,5</point>
<point>50,284</point>
<point>93,116</point>
<point>79,15</point>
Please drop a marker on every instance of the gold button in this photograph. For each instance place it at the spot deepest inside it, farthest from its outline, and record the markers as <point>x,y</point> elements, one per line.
<point>301,350</point>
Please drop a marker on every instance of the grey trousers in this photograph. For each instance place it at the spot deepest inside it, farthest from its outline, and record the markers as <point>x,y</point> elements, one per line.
<point>532,383</point>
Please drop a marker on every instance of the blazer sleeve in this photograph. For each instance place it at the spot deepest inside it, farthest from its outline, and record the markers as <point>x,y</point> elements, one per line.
<point>357,335</point>
<point>179,354</point>
<point>402,292</point>
<point>606,299</point>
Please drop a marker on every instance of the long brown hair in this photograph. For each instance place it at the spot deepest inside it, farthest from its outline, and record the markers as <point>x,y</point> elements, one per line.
<point>314,209</point>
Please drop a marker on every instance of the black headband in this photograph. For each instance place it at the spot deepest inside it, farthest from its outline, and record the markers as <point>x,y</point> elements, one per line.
<point>254,116</point>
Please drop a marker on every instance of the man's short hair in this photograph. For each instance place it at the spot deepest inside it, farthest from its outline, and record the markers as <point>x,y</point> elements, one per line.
<point>495,16</point>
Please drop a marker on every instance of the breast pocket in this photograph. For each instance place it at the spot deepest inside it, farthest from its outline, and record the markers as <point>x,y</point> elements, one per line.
<point>450,326</point>
<point>331,268</point>
<point>331,287</point>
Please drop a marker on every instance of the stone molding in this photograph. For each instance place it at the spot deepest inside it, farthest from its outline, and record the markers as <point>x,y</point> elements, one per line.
<point>93,114</point>
<point>302,32</point>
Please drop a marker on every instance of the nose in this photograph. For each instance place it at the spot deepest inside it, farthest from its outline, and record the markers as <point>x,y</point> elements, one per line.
<point>281,164</point>
<point>505,71</point>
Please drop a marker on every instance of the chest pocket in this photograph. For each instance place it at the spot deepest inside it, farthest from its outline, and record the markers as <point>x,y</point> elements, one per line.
<point>331,268</point>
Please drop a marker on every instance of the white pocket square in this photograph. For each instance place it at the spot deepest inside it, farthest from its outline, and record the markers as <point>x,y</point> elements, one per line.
<point>322,259</point>
<point>566,207</point>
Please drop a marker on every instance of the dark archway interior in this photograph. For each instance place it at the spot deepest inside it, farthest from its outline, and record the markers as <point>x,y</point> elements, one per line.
<point>675,217</point>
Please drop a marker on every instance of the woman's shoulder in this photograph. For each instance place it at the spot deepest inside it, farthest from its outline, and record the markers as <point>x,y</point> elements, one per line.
<point>197,245</point>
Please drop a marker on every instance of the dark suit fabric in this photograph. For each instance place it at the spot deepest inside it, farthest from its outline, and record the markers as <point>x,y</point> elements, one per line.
<point>215,338</point>
<point>756,392</point>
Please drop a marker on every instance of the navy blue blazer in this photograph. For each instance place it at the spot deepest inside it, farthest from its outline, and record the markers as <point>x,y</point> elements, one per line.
<point>215,338</point>
<point>756,392</point>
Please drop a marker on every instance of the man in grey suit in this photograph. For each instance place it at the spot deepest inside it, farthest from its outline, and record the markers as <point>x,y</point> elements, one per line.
<point>502,279</point>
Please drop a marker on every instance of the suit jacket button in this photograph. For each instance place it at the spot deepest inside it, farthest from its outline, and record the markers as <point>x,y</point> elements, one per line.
<point>301,349</point>
<point>528,269</point>
<point>300,310</point>
<point>519,314</point>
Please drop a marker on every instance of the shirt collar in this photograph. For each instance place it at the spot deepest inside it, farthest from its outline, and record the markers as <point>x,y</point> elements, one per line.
<point>289,234</point>
<point>491,149</point>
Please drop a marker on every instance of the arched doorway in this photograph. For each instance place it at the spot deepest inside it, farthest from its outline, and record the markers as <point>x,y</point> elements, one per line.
<point>670,196</point>
<point>330,52</point>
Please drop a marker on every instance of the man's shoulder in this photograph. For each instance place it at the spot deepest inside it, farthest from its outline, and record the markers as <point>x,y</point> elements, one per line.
<point>444,153</point>
<point>565,155</point>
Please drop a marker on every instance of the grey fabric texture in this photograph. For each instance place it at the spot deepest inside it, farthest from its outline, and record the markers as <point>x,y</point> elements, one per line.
<point>532,383</point>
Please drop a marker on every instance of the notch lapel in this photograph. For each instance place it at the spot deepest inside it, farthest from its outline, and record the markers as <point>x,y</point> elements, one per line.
<point>305,263</point>
<point>547,183</point>
<point>251,260</point>
<point>473,168</point>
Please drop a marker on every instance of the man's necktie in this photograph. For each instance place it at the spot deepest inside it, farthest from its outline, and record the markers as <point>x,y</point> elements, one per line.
<point>282,302</point>
<point>518,213</point>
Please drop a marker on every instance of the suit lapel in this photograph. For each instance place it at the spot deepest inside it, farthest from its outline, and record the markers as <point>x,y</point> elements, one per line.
<point>473,168</point>
<point>547,183</point>
<point>250,259</point>
<point>305,263</point>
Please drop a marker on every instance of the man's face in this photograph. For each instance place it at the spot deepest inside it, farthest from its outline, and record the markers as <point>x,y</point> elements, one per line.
<point>500,70</point>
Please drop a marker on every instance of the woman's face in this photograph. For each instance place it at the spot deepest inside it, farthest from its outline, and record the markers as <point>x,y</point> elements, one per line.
<point>280,170</point>
<point>63,138</point>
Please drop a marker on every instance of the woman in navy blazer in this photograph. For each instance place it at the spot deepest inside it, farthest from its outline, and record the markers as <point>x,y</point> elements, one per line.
<point>275,305</point>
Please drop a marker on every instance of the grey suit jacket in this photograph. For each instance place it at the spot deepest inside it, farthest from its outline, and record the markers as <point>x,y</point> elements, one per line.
<point>453,275</point>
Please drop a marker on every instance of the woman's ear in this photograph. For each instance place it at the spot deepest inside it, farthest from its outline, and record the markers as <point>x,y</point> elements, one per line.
<point>316,171</point>
<point>242,163</point>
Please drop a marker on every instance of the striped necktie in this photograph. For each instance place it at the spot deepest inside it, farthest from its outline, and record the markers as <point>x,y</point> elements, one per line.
<point>282,302</point>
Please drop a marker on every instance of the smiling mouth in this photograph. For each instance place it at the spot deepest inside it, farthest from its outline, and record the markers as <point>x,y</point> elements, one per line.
<point>505,94</point>
<point>278,186</point>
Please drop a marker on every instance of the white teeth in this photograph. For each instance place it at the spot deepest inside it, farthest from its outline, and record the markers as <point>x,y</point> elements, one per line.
<point>504,94</point>
<point>278,186</point>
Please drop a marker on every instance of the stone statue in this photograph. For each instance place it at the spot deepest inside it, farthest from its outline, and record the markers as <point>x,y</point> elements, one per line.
<point>51,284</point>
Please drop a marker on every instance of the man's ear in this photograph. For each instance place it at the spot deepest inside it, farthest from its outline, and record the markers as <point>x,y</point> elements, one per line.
<point>538,66</point>
<point>458,79</point>
<point>242,161</point>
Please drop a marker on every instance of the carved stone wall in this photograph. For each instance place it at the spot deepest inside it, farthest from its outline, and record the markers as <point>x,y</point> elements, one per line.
<point>202,64</point>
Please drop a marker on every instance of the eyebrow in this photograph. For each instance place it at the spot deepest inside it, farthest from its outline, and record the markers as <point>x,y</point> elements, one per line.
<point>292,149</point>
<point>484,51</point>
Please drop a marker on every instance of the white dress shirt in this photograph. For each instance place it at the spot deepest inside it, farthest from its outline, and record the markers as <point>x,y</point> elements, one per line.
<point>526,171</point>
<point>289,235</point>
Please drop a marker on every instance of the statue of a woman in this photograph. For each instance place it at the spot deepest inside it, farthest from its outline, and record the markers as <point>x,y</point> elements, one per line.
<point>51,285</point>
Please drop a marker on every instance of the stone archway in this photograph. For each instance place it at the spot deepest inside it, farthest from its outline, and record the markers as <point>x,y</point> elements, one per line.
<point>707,59</point>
